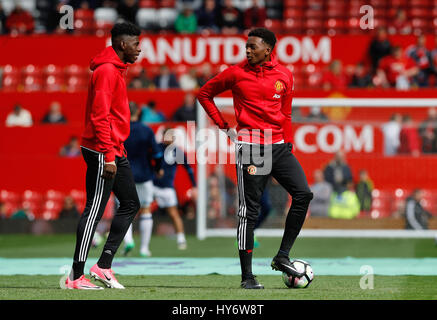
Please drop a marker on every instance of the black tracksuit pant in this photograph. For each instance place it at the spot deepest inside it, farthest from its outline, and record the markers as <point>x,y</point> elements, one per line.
<point>255,163</point>
<point>98,191</point>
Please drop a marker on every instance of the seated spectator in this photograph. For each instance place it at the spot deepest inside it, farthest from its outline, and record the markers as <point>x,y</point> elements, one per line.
<point>69,210</point>
<point>428,132</point>
<point>397,70</point>
<point>128,10</point>
<point>338,173</point>
<point>422,57</point>
<point>316,115</point>
<point>391,131</point>
<point>434,60</point>
<point>50,15</point>
<point>207,17</point>
<point>360,78</point>
<point>401,24</point>
<point>54,115</point>
<point>364,190</point>
<point>255,16</point>
<point>322,190</point>
<point>71,149</point>
<point>186,21</point>
<point>20,21</point>
<point>230,18</point>
<point>345,205</point>
<point>19,117</point>
<point>188,111</point>
<point>149,114</point>
<point>379,48</point>
<point>141,82</point>
<point>188,81</point>
<point>205,74</point>
<point>2,20</point>
<point>409,138</point>
<point>165,79</point>
<point>335,78</point>
<point>416,217</point>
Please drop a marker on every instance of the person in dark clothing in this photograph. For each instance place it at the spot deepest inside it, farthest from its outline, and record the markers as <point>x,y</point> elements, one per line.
<point>69,210</point>
<point>416,217</point>
<point>338,173</point>
<point>379,48</point>
<point>188,111</point>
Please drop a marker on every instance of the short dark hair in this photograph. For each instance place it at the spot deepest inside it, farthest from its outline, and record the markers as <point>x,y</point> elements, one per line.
<point>265,34</point>
<point>125,28</point>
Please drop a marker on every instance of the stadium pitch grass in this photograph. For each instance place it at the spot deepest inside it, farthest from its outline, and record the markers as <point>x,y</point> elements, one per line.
<point>223,287</point>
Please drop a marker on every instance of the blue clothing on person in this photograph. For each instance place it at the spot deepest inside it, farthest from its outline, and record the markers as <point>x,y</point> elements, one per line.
<point>141,148</point>
<point>169,165</point>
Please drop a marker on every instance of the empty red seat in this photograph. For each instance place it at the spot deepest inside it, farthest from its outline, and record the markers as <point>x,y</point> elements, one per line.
<point>32,70</point>
<point>292,26</point>
<point>76,83</point>
<point>420,3</point>
<point>314,14</point>
<point>337,26</point>
<point>313,26</point>
<point>294,3</point>
<point>84,26</point>
<point>293,13</point>
<point>10,82</point>
<point>103,28</point>
<point>54,83</point>
<point>335,12</point>
<point>416,12</point>
<point>275,25</point>
<point>167,3</point>
<point>420,25</point>
<point>378,3</point>
<point>52,69</point>
<point>148,4</point>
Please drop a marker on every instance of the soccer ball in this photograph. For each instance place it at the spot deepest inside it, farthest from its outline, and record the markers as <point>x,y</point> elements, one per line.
<point>302,282</point>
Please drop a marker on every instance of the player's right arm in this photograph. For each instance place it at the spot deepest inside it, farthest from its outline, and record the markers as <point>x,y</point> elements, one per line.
<point>220,83</point>
<point>104,84</point>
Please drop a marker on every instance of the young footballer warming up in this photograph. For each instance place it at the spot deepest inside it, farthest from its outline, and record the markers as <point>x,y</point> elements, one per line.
<point>107,121</point>
<point>262,94</point>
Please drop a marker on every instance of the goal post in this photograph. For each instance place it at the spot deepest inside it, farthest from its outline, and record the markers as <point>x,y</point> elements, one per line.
<point>203,230</point>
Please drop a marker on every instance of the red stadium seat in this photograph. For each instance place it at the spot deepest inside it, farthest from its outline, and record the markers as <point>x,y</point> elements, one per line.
<point>51,209</point>
<point>134,71</point>
<point>77,83</point>
<point>10,82</point>
<point>103,28</point>
<point>334,12</point>
<point>292,26</point>
<point>32,70</point>
<point>377,3</point>
<point>315,4</point>
<point>313,26</point>
<point>54,83</point>
<point>420,25</point>
<point>293,13</point>
<point>32,83</point>
<point>420,3</point>
<point>84,26</point>
<point>54,195</point>
<point>424,13</point>
<point>314,14</point>
<point>398,3</point>
<point>52,69</point>
<point>294,3</point>
<point>335,26</point>
<point>148,4</point>
<point>275,25</point>
<point>75,70</point>
<point>79,198</point>
<point>9,196</point>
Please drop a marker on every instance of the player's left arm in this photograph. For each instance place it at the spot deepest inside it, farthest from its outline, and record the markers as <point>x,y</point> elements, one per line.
<point>287,99</point>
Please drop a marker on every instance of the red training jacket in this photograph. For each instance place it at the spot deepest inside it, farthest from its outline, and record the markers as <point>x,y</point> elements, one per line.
<point>107,117</point>
<point>262,98</point>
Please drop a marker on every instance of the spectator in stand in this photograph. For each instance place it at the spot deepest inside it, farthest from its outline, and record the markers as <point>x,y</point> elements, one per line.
<point>207,17</point>
<point>322,191</point>
<point>3,210</point>
<point>186,21</point>
<point>364,190</point>
<point>49,14</point>
<point>379,48</point>
<point>230,18</point>
<point>416,217</point>
<point>166,79</point>
<point>316,115</point>
<point>338,172</point>
<point>19,117</point>
<point>391,131</point>
<point>69,210</point>
<point>2,20</point>
<point>409,138</point>
<point>188,111</point>
<point>422,57</point>
<point>397,70</point>
<point>141,82</point>
<point>128,10</point>
<point>149,114</point>
<point>20,21</point>
<point>71,149</point>
<point>54,115</point>
<point>360,78</point>
<point>335,78</point>
<point>434,61</point>
<point>401,24</point>
<point>255,16</point>
<point>188,81</point>
<point>205,74</point>
<point>345,205</point>
<point>428,132</point>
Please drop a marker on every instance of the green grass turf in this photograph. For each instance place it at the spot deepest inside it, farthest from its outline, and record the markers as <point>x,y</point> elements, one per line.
<point>62,245</point>
<point>217,287</point>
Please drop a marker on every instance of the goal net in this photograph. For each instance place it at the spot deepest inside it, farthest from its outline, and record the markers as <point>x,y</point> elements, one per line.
<point>365,131</point>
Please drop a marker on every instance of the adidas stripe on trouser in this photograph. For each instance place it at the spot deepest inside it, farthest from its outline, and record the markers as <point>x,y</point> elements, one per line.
<point>98,191</point>
<point>286,169</point>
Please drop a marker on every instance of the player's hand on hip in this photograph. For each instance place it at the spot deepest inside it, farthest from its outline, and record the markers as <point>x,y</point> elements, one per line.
<point>109,170</point>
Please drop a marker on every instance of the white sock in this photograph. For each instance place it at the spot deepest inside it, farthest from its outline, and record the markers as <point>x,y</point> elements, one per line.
<point>128,238</point>
<point>146,226</point>
<point>181,237</point>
